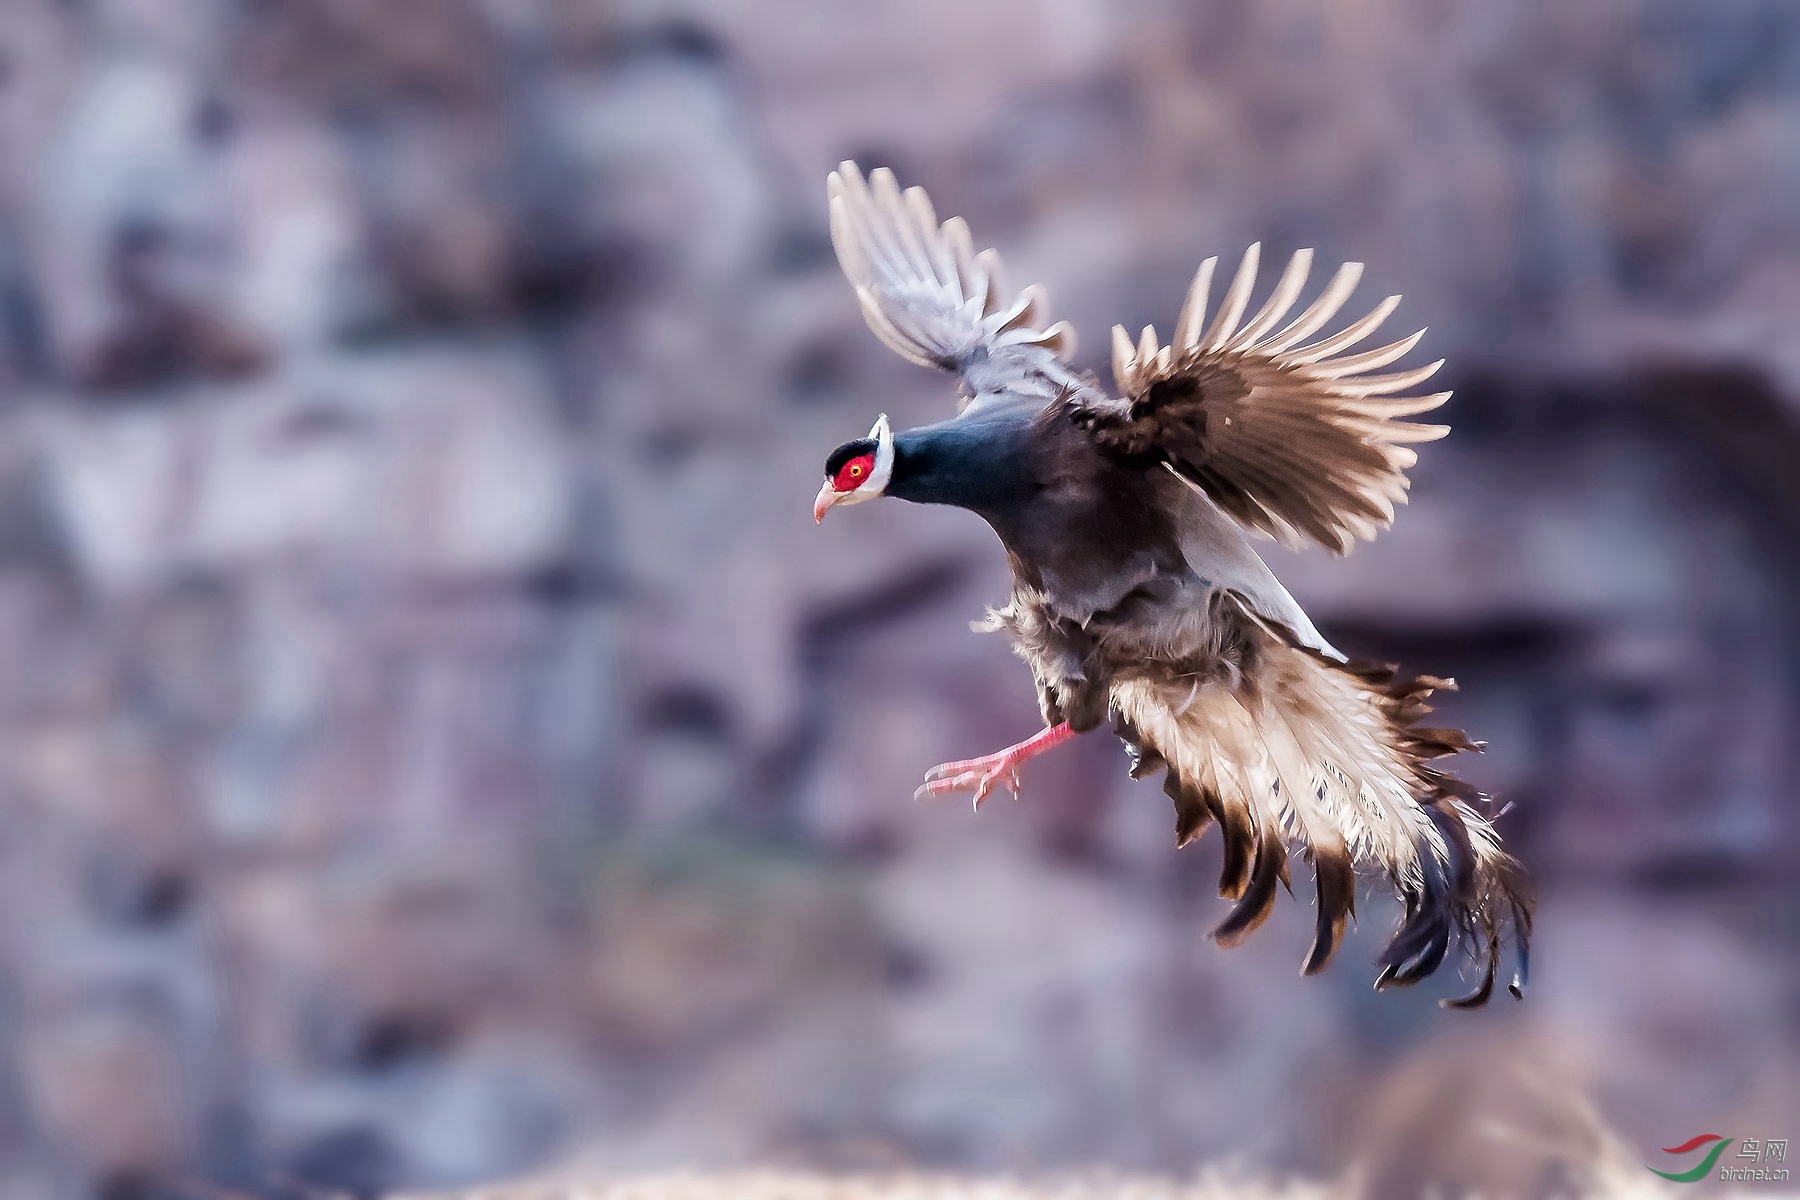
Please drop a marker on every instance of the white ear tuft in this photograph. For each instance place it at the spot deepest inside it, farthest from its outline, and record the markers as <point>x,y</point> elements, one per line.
<point>877,481</point>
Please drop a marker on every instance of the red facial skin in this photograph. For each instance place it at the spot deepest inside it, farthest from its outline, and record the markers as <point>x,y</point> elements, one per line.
<point>854,473</point>
<point>849,477</point>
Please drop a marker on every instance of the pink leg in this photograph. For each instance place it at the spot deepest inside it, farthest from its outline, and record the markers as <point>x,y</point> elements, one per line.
<point>982,774</point>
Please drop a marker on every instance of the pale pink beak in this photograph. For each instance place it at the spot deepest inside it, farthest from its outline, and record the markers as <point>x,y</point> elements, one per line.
<point>828,496</point>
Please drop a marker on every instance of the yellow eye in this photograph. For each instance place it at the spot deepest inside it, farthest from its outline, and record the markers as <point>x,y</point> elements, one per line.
<point>856,471</point>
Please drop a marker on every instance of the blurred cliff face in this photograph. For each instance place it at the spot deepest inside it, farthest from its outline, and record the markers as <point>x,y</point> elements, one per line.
<point>437,742</point>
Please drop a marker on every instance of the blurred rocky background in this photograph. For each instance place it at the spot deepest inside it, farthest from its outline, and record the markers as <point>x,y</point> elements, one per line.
<point>436,744</point>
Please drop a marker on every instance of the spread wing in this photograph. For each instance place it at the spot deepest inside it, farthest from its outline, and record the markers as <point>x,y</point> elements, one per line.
<point>933,300</point>
<point>1290,436</point>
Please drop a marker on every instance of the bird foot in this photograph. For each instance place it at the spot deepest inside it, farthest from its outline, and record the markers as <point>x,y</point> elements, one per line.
<point>983,775</point>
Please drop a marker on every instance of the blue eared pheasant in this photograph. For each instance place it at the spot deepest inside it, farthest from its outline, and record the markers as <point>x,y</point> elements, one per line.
<point>1137,595</point>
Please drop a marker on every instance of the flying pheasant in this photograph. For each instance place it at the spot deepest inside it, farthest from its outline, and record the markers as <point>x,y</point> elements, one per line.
<point>1137,595</point>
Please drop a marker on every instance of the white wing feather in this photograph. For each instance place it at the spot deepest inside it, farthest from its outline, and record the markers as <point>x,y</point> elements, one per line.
<point>932,299</point>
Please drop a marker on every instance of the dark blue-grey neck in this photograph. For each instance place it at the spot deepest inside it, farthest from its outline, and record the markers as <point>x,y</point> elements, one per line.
<point>981,463</point>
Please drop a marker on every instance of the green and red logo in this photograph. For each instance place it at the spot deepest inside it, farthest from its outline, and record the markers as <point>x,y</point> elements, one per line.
<point>1706,1164</point>
<point>1748,1165</point>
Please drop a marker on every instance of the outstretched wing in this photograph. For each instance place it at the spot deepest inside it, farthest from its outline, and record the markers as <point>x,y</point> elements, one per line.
<point>932,299</point>
<point>1291,437</point>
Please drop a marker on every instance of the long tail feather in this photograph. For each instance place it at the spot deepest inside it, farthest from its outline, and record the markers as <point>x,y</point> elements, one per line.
<point>1335,879</point>
<point>1191,814</point>
<point>1253,908</point>
<point>1284,748</point>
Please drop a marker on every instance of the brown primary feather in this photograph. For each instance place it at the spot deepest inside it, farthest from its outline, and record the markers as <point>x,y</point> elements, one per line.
<point>1295,440</point>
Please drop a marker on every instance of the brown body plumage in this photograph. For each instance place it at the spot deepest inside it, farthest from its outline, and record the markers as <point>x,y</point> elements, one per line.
<point>1136,594</point>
